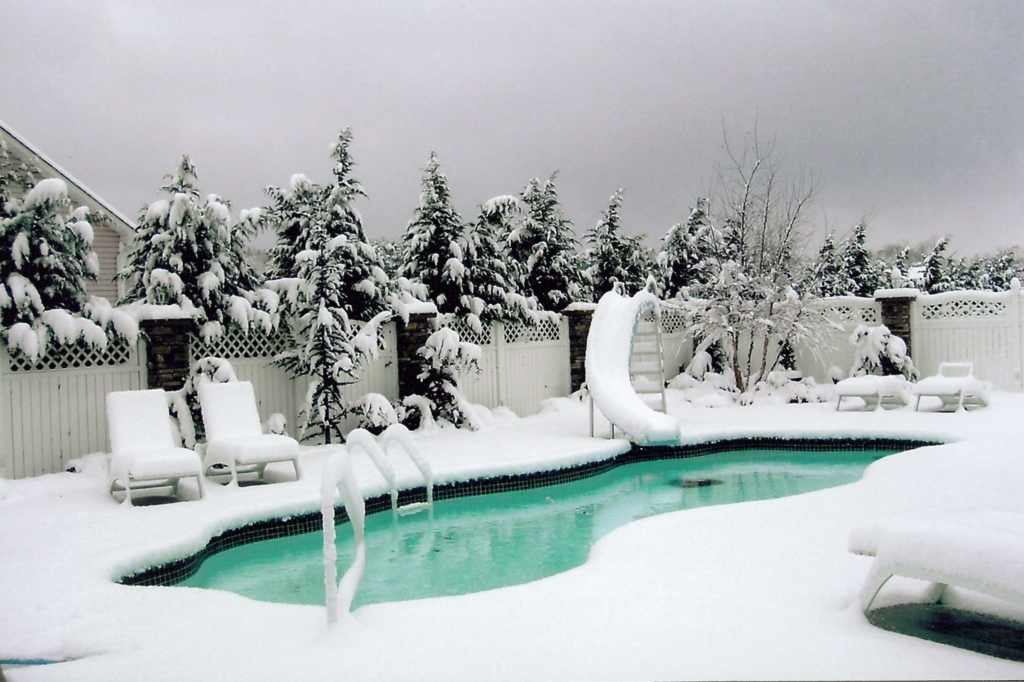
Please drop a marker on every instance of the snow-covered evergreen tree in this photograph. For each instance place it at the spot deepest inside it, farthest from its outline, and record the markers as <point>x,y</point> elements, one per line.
<point>543,248</point>
<point>685,251</point>
<point>186,251</point>
<point>433,243</point>
<point>614,257</point>
<point>491,287</point>
<point>1000,269</point>
<point>829,275</point>
<point>46,258</point>
<point>391,253</point>
<point>327,347</point>
<point>936,279</point>
<point>327,211</point>
<point>866,276</point>
<point>46,255</point>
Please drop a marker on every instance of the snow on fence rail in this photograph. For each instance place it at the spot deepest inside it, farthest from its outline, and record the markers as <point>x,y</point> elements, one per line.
<point>520,365</point>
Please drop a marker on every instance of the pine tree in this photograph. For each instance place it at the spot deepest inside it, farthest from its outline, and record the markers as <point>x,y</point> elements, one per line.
<point>46,255</point>
<point>489,280</point>
<point>1000,269</point>
<point>327,347</point>
<point>544,247</point>
<point>829,275</point>
<point>328,212</point>
<point>865,276</point>
<point>433,249</point>
<point>936,279</point>
<point>614,257</point>
<point>187,252</point>
<point>685,251</point>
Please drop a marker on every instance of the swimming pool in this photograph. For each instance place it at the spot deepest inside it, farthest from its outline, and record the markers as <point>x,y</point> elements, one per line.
<point>470,544</point>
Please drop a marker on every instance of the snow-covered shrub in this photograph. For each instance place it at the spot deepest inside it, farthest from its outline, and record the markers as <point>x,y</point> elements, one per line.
<point>185,401</point>
<point>445,360</point>
<point>878,351</point>
<point>375,413</point>
<point>416,412</point>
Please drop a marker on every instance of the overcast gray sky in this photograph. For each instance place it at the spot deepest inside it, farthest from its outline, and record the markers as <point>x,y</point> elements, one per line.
<point>911,113</point>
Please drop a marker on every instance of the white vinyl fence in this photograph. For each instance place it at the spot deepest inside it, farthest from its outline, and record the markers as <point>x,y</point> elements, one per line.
<point>520,365</point>
<point>985,328</point>
<point>55,410</point>
<point>847,312</point>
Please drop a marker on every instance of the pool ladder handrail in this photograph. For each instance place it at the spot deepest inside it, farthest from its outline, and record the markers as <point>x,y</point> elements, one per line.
<point>398,434</point>
<point>377,452</point>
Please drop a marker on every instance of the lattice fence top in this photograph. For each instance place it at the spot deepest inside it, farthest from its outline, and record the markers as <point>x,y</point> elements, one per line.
<point>963,308</point>
<point>235,344</point>
<point>467,333</point>
<point>544,330</point>
<point>859,314</point>
<point>74,356</point>
<point>672,320</point>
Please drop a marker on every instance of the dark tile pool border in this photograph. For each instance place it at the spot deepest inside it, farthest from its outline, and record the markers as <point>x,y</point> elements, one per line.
<point>175,571</point>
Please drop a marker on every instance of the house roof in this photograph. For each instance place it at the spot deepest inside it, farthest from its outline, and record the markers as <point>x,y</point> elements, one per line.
<point>79,193</point>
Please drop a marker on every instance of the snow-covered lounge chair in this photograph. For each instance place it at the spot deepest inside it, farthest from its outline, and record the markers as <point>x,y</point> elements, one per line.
<point>146,453</point>
<point>875,391</point>
<point>982,551</point>
<point>955,386</point>
<point>234,436</point>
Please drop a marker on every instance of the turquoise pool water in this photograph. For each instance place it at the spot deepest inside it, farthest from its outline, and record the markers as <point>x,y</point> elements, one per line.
<point>479,543</point>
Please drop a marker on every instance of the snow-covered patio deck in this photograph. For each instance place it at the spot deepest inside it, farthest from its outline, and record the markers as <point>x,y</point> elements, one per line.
<point>754,590</point>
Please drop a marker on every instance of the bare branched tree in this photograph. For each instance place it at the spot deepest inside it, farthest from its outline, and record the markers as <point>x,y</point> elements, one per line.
<point>750,305</point>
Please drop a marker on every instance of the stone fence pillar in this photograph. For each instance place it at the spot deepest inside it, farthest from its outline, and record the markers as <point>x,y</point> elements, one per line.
<point>580,317</point>
<point>167,361</point>
<point>411,337</point>
<point>896,311</point>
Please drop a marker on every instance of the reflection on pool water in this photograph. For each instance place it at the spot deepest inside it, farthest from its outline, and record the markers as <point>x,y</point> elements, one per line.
<point>479,543</point>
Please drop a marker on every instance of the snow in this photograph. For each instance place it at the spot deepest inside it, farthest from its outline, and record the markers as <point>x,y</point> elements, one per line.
<point>609,345</point>
<point>83,229</point>
<point>157,211</point>
<point>20,250</point>
<point>24,338</point>
<point>759,590</point>
<point>897,293</point>
<point>62,324</point>
<point>52,189</point>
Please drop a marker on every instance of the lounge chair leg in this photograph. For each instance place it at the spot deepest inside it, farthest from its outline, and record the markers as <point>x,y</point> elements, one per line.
<point>936,592</point>
<point>295,463</point>
<point>873,585</point>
